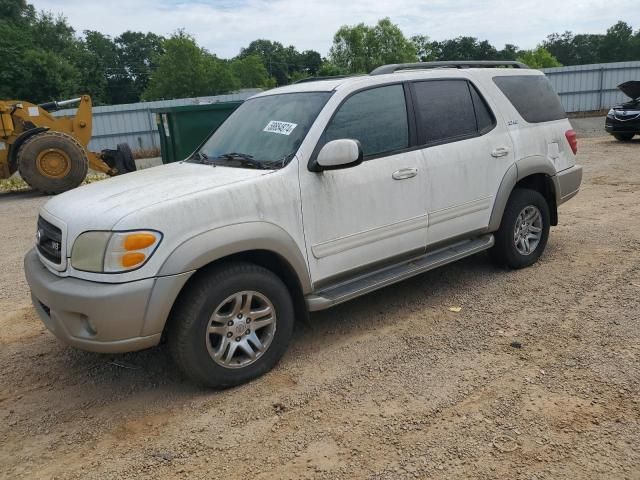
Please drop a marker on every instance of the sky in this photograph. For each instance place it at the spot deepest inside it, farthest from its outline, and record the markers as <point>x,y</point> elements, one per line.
<point>225,26</point>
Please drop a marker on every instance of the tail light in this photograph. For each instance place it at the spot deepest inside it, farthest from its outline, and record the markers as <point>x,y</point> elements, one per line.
<point>572,139</point>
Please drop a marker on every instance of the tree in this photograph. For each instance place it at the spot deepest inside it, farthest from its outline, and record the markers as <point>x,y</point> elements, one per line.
<point>18,11</point>
<point>136,54</point>
<point>274,58</point>
<point>464,48</point>
<point>616,45</point>
<point>250,72</point>
<point>328,69</point>
<point>187,70</point>
<point>310,62</point>
<point>509,52</point>
<point>99,66</point>
<point>360,48</point>
<point>424,48</point>
<point>539,58</point>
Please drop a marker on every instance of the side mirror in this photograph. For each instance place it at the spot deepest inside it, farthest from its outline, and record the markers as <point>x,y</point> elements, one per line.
<point>343,153</point>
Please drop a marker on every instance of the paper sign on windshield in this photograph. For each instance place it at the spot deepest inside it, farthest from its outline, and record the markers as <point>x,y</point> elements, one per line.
<point>283,128</point>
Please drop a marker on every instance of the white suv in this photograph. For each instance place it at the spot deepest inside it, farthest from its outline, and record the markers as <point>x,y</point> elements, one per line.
<point>307,196</point>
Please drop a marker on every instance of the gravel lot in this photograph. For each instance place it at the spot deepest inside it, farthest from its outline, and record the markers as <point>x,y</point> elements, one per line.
<point>536,377</point>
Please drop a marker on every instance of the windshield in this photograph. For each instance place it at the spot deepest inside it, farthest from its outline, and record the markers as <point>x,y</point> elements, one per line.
<point>264,132</point>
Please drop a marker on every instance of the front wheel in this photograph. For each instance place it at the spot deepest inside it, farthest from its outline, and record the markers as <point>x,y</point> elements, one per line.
<point>232,324</point>
<point>524,230</point>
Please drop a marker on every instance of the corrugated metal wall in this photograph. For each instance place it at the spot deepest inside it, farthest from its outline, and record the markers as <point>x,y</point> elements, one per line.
<point>584,88</point>
<point>135,124</point>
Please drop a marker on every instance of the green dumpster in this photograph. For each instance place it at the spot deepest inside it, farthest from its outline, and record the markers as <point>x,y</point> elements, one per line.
<point>183,128</point>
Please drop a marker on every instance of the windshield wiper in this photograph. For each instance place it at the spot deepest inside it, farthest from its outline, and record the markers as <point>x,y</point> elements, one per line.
<point>244,159</point>
<point>276,164</point>
<point>202,158</point>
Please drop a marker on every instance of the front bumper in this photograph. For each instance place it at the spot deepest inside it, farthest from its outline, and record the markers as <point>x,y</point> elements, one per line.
<point>102,317</point>
<point>614,126</point>
<point>568,183</point>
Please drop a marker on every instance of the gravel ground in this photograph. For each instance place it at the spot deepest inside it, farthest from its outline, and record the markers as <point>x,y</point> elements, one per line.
<point>536,377</point>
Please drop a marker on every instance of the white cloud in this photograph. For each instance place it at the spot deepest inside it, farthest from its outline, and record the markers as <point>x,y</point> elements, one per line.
<point>225,26</point>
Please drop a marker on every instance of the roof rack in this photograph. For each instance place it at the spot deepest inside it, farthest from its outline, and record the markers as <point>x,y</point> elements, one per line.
<point>446,64</point>
<point>331,77</point>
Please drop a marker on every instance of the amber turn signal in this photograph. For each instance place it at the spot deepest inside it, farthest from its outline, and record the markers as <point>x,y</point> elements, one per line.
<point>138,241</point>
<point>129,260</point>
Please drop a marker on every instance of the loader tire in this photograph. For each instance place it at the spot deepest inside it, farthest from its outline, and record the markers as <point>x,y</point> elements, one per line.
<point>52,162</point>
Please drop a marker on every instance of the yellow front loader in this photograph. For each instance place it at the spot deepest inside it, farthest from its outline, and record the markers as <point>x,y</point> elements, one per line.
<point>50,153</point>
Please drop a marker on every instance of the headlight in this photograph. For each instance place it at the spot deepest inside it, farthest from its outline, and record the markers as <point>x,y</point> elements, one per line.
<point>611,113</point>
<point>112,252</point>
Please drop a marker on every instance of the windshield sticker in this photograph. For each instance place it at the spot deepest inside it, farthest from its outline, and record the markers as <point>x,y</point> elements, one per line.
<point>283,128</point>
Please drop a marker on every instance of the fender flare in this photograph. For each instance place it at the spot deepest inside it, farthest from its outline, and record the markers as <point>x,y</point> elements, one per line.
<point>517,171</point>
<point>218,243</point>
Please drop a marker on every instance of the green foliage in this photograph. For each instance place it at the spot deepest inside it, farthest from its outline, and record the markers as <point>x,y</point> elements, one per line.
<point>18,11</point>
<point>283,63</point>
<point>136,52</point>
<point>360,48</point>
<point>187,70</point>
<point>251,72</point>
<point>540,57</point>
<point>617,45</point>
<point>328,69</point>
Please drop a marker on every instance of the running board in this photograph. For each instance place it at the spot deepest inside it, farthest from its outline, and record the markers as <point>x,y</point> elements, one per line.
<point>362,284</point>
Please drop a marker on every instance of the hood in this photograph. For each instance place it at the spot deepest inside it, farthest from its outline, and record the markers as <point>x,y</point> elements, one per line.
<point>102,204</point>
<point>631,89</point>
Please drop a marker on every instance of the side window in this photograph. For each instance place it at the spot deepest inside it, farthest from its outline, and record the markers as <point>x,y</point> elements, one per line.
<point>484,117</point>
<point>444,110</point>
<point>376,117</point>
<point>533,96</point>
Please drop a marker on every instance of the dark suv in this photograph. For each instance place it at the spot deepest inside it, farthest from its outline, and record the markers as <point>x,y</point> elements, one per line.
<point>623,121</point>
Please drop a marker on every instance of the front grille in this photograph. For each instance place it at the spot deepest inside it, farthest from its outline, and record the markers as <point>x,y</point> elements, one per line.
<point>49,241</point>
<point>626,115</point>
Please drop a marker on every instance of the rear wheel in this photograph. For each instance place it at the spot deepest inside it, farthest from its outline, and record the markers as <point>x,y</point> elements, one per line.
<point>624,137</point>
<point>52,162</point>
<point>524,230</point>
<point>232,324</point>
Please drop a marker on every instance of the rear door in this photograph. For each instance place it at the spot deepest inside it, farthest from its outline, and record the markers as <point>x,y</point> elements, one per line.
<point>467,153</point>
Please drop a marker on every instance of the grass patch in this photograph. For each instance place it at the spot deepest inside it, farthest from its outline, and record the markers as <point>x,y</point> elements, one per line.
<point>16,184</point>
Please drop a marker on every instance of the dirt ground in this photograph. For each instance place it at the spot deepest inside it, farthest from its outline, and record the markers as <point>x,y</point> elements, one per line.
<point>536,377</point>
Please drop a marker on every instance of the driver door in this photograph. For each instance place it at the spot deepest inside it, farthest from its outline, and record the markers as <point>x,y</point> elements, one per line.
<point>357,217</point>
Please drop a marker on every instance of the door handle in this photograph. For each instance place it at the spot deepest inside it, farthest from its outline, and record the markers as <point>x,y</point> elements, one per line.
<point>404,173</point>
<point>500,152</point>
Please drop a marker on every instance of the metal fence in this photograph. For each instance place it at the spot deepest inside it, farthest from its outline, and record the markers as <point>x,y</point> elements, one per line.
<point>584,88</point>
<point>135,124</point>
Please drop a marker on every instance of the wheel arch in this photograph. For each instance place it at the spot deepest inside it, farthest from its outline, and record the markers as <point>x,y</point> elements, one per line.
<point>537,173</point>
<point>259,243</point>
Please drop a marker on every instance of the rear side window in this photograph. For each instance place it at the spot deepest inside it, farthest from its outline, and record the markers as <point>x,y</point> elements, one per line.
<point>484,117</point>
<point>449,110</point>
<point>533,97</point>
<point>376,117</point>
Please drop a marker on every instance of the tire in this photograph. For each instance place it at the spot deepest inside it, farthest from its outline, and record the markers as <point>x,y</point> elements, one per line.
<point>623,137</point>
<point>126,163</point>
<point>216,291</point>
<point>52,162</point>
<point>513,236</point>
